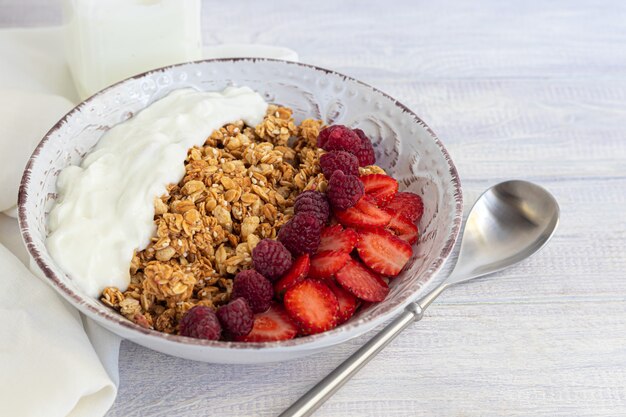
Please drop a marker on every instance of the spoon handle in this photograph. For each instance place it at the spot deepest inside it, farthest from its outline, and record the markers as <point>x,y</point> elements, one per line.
<point>324,389</point>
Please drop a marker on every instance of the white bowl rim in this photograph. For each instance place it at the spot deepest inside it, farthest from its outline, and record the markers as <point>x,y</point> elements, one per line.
<point>109,316</point>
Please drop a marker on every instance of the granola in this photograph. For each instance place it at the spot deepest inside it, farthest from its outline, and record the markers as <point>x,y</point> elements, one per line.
<point>238,188</point>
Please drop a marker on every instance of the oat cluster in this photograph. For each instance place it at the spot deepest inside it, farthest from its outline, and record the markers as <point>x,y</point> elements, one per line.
<point>239,188</point>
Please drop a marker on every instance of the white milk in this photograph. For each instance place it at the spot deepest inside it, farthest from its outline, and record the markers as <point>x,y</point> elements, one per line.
<point>110,40</point>
<point>105,207</point>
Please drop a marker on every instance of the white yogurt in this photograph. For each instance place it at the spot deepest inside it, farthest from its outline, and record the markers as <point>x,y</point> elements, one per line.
<point>105,207</point>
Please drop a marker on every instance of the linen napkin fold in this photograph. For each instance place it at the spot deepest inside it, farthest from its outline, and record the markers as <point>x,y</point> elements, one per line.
<point>24,119</point>
<point>36,90</point>
<point>47,364</point>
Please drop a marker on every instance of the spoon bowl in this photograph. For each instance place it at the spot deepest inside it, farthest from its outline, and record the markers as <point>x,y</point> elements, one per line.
<point>508,223</point>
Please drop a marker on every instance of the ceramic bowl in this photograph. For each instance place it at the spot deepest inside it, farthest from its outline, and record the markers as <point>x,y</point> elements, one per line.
<point>405,146</point>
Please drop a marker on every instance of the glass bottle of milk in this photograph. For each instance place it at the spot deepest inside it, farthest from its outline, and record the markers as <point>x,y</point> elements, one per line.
<point>110,40</point>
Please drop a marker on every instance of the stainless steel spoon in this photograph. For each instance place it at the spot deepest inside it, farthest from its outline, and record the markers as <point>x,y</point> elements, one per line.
<point>510,222</point>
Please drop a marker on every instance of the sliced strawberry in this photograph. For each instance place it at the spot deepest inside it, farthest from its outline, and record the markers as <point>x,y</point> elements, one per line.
<point>379,186</point>
<point>325,264</point>
<point>408,204</point>
<point>270,326</point>
<point>383,252</point>
<point>366,304</point>
<point>313,306</point>
<point>298,271</point>
<point>402,227</point>
<point>362,282</point>
<point>337,238</point>
<point>363,215</point>
<point>348,303</point>
<point>333,220</point>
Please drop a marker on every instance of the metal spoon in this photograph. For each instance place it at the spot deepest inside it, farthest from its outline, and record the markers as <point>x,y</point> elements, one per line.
<point>510,222</point>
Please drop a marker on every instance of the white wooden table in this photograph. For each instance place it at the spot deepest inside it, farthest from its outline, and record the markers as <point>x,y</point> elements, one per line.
<point>533,90</point>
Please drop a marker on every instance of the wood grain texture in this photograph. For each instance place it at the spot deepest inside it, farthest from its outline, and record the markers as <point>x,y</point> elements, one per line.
<point>533,90</point>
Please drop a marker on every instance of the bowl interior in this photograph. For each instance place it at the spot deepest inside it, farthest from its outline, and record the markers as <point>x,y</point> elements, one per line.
<point>404,146</point>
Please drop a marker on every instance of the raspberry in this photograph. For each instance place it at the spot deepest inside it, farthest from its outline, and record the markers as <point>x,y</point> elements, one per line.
<point>365,154</point>
<point>314,203</point>
<point>323,136</point>
<point>236,317</point>
<point>301,234</point>
<point>271,259</point>
<point>338,138</point>
<point>344,191</point>
<point>255,288</point>
<point>339,160</point>
<point>200,322</point>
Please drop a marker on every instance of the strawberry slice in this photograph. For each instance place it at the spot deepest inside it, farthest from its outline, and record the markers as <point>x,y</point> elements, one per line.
<point>270,326</point>
<point>298,271</point>
<point>408,204</point>
<point>325,264</point>
<point>366,304</point>
<point>362,282</point>
<point>313,306</point>
<point>337,238</point>
<point>402,227</point>
<point>348,303</point>
<point>380,187</point>
<point>383,252</point>
<point>363,215</point>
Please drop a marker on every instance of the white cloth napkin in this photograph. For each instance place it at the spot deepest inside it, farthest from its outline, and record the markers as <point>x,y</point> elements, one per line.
<point>48,364</point>
<point>36,89</point>
<point>24,118</point>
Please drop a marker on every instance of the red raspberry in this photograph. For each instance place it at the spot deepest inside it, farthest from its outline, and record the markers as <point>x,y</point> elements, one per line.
<point>200,322</point>
<point>314,203</point>
<point>255,288</point>
<point>236,317</point>
<point>365,154</point>
<point>339,160</point>
<point>301,234</point>
<point>271,259</point>
<point>344,191</point>
<point>323,136</point>
<point>338,138</point>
